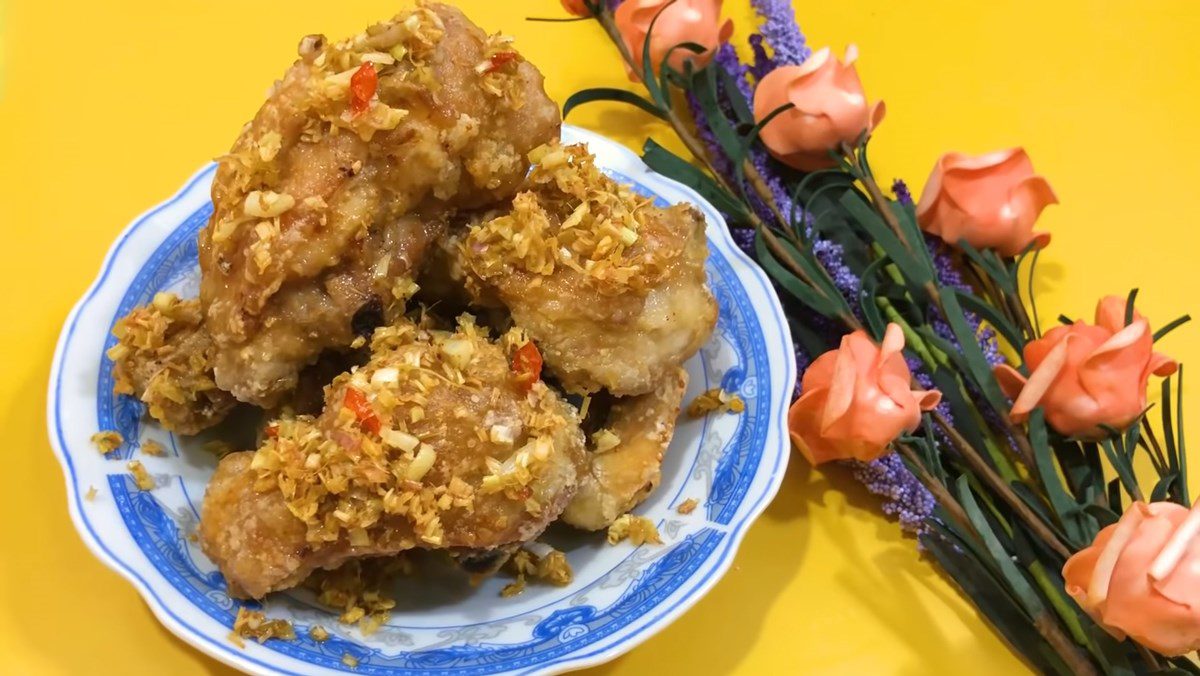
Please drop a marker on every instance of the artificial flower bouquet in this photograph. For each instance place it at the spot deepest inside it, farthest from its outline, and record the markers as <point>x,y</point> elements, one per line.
<point>1018,455</point>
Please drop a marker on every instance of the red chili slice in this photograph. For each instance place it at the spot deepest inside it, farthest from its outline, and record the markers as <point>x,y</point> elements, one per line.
<point>499,59</point>
<point>363,84</point>
<point>527,365</point>
<point>357,402</point>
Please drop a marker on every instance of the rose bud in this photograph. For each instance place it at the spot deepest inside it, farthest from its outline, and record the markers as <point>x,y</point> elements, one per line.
<point>830,108</point>
<point>991,201</point>
<point>1088,376</point>
<point>1140,577</point>
<point>697,21</point>
<point>857,399</point>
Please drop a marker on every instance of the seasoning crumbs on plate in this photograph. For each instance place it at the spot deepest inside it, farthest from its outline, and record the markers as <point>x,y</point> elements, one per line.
<point>637,529</point>
<point>153,448</point>
<point>254,624</point>
<point>91,494</point>
<point>107,441</point>
<point>141,477</point>
<point>687,506</point>
<point>715,400</point>
<point>349,660</point>
<point>318,633</point>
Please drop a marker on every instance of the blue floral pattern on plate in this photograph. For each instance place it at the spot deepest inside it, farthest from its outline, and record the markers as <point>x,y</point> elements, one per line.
<point>733,464</point>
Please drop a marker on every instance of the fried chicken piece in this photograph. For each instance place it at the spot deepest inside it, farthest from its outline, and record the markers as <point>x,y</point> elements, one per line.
<point>625,456</point>
<point>332,193</point>
<point>435,443</point>
<point>163,356</point>
<point>612,288</point>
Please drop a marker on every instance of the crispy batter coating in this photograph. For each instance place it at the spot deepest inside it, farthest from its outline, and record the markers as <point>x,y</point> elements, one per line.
<point>331,194</point>
<point>434,443</point>
<point>612,288</point>
<point>625,457</point>
<point>164,357</point>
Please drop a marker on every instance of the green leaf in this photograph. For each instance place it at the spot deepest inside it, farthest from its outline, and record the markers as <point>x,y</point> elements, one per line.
<point>1017,582</point>
<point>870,310</point>
<point>1121,464</point>
<point>733,95</point>
<point>1183,473</point>
<point>704,88</point>
<point>993,317</point>
<point>977,364</point>
<point>1129,306</point>
<point>1066,509</point>
<point>671,165</point>
<point>1114,496</point>
<point>1176,323</point>
<point>991,265</point>
<point>953,553</point>
<point>916,275</point>
<point>1163,487</point>
<point>1103,515</point>
<point>610,94</point>
<point>1113,653</point>
<point>793,284</point>
<point>648,79</point>
<point>668,75</point>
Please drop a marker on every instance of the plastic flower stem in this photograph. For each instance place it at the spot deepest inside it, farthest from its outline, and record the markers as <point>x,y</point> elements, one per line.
<point>943,496</point>
<point>1062,606</point>
<point>1067,649</point>
<point>912,338</point>
<point>1149,441</point>
<point>1001,487</point>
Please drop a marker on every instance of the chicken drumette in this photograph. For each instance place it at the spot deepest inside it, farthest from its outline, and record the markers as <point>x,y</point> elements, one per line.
<point>325,206</point>
<point>612,288</point>
<point>437,442</point>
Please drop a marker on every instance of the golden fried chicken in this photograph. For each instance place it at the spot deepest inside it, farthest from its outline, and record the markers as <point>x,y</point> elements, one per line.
<point>163,356</point>
<point>435,443</point>
<point>612,288</point>
<point>331,194</point>
<point>624,460</point>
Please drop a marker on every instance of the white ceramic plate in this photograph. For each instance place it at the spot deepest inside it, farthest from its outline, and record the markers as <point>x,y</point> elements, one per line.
<point>732,464</point>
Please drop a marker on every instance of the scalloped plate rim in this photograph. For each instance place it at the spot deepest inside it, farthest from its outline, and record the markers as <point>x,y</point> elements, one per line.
<point>736,530</point>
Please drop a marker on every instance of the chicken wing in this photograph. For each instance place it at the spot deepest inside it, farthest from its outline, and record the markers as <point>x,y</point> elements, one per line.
<point>434,443</point>
<point>612,288</point>
<point>331,194</point>
<point>164,357</point>
<point>624,460</point>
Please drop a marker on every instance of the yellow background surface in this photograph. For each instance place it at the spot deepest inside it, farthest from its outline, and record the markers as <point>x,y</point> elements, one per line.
<point>106,107</point>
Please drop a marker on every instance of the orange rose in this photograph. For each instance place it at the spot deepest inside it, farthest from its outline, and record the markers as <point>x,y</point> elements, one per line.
<point>1085,376</point>
<point>856,400</point>
<point>697,21</point>
<point>1141,577</point>
<point>576,7</point>
<point>992,201</point>
<point>831,107</point>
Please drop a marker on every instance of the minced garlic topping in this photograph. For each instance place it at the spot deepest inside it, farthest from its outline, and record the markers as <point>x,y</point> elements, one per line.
<point>399,49</point>
<point>376,453</point>
<point>569,215</point>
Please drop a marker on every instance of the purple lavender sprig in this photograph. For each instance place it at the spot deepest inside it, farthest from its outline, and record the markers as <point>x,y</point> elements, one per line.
<point>904,496</point>
<point>781,32</point>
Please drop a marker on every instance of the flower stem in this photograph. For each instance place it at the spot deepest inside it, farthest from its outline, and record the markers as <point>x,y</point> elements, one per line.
<point>1001,487</point>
